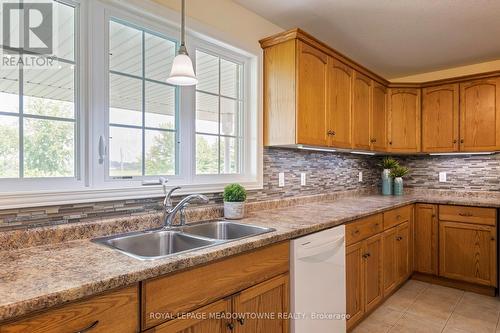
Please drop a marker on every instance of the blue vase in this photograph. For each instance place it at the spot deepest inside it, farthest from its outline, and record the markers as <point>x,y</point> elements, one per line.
<point>386,182</point>
<point>398,186</point>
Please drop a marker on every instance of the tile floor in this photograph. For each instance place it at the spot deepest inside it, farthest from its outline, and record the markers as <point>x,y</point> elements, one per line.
<point>422,307</point>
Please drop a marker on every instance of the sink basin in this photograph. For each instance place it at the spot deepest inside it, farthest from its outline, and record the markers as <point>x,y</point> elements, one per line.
<point>155,244</point>
<point>224,230</point>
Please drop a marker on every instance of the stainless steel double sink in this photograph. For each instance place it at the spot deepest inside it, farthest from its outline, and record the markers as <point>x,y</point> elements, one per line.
<point>161,243</point>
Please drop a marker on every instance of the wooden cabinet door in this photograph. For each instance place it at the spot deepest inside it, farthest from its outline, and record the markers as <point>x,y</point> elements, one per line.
<point>355,304</point>
<point>426,239</point>
<point>404,120</point>
<point>361,111</point>
<point>373,271</point>
<point>403,252</point>
<point>389,260</point>
<point>379,118</point>
<point>213,318</point>
<point>339,93</point>
<point>480,115</point>
<point>440,118</point>
<point>269,298</point>
<point>311,96</point>
<point>467,252</point>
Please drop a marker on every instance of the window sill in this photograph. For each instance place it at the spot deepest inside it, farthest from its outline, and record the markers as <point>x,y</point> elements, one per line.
<point>50,198</point>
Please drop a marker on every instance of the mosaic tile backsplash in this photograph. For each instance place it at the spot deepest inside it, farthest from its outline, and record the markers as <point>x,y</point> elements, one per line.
<point>466,173</point>
<point>325,173</point>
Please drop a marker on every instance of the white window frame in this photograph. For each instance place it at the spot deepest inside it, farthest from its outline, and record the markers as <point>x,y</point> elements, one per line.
<point>92,184</point>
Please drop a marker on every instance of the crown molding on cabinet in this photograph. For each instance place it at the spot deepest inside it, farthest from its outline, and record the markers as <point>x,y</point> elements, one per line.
<point>300,34</point>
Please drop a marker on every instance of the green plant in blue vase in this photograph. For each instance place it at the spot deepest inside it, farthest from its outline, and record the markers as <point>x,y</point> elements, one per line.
<point>387,164</point>
<point>398,173</point>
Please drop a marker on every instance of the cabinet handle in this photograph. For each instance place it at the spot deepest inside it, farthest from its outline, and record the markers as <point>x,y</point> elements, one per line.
<point>455,141</point>
<point>390,142</point>
<point>492,238</point>
<point>88,328</point>
<point>330,132</point>
<point>241,321</point>
<point>461,140</point>
<point>373,140</point>
<point>465,214</point>
<point>230,326</point>
<point>356,231</point>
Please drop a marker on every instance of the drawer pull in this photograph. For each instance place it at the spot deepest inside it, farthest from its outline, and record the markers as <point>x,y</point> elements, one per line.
<point>356,231</point>
<point>465,214</point>
<point>88,328</point>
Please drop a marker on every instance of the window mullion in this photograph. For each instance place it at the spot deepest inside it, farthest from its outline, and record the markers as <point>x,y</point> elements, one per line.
<point>143,104</point>
<point>21,121</point>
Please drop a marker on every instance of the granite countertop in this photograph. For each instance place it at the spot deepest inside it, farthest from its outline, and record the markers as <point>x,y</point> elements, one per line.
<point>35,278</point>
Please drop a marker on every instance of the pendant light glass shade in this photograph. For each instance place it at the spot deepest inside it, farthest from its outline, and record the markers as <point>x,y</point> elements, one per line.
<point>182,72</point>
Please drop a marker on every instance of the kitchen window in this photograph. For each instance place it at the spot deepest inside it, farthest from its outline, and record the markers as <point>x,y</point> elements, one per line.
<point>219,109</point>
<point>142,113</point>
<point>39,109</point>
<point>105,125</point>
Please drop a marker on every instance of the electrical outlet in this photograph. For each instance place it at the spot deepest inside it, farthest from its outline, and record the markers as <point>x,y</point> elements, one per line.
<point>302,179</point>
<point>442,177</point>
<point>360,176</point>
<point>281,179</point>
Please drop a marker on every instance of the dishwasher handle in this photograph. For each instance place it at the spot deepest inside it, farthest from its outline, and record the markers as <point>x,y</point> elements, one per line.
<point>322,248</point>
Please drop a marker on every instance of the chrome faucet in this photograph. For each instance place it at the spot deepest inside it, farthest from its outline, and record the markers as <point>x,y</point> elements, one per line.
<point>171,211</point>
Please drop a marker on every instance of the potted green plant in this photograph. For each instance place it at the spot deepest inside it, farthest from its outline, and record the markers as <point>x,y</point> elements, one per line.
<point>398,173</point>
<point>387,164</point>
<point>234,201</point>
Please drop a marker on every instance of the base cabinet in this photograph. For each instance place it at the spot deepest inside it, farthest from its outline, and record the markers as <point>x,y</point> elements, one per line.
<point>467,252</point>
<point>426,239</point>
<point>267,300</point>
<point>397,256</point>
<point>213,318</point>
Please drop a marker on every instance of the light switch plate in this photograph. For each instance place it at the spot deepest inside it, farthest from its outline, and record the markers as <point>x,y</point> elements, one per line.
<point>302,179</point>
<point>281,179</point>
<point>360,176</point>
<point>442,177</point>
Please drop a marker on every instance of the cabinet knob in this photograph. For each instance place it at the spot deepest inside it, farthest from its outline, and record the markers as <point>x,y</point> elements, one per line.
<point>230,326</point>
<point>390,142</point>
<point>461,140</point>
<point>455,141</point>
<point>492,238</point>
<point>356,231</point>
<point>241,321</point>
<point>330,132</point>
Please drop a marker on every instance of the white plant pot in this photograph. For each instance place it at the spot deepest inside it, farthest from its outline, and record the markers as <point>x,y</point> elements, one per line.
<point>234,210</point>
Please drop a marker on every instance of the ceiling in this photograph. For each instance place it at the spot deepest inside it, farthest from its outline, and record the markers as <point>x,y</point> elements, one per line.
<point>395,38</point>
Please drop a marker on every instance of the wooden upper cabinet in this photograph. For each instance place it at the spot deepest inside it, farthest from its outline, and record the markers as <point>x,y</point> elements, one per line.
<point>361,111</point>
<point>339,92</point>
<point>379,118</point>
<point>311,96</point>
<point>426,239</point>
<point>404,120</point>
<point>480,115</point>
<point>440,118</point>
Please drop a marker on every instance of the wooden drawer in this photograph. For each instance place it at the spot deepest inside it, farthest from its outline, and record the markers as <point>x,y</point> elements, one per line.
<point>165,297</point>
<point>363,228</point>
<point>475,215</point>
<point>397,216</point>
<point>115,312</point>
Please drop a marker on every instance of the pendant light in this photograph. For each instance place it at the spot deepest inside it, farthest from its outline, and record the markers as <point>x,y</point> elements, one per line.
<point>182,72</point>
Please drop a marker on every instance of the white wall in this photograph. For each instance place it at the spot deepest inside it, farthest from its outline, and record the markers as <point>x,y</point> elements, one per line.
<point>226,21</point>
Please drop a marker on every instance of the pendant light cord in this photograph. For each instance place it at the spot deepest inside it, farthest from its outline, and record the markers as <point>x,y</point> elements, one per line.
<point>182,48</point>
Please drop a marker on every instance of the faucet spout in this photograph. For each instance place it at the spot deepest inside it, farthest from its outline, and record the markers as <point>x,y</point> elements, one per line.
<point>170,213</point>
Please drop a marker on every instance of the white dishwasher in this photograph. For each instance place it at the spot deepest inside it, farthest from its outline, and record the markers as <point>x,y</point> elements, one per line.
<point>318,291</point>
